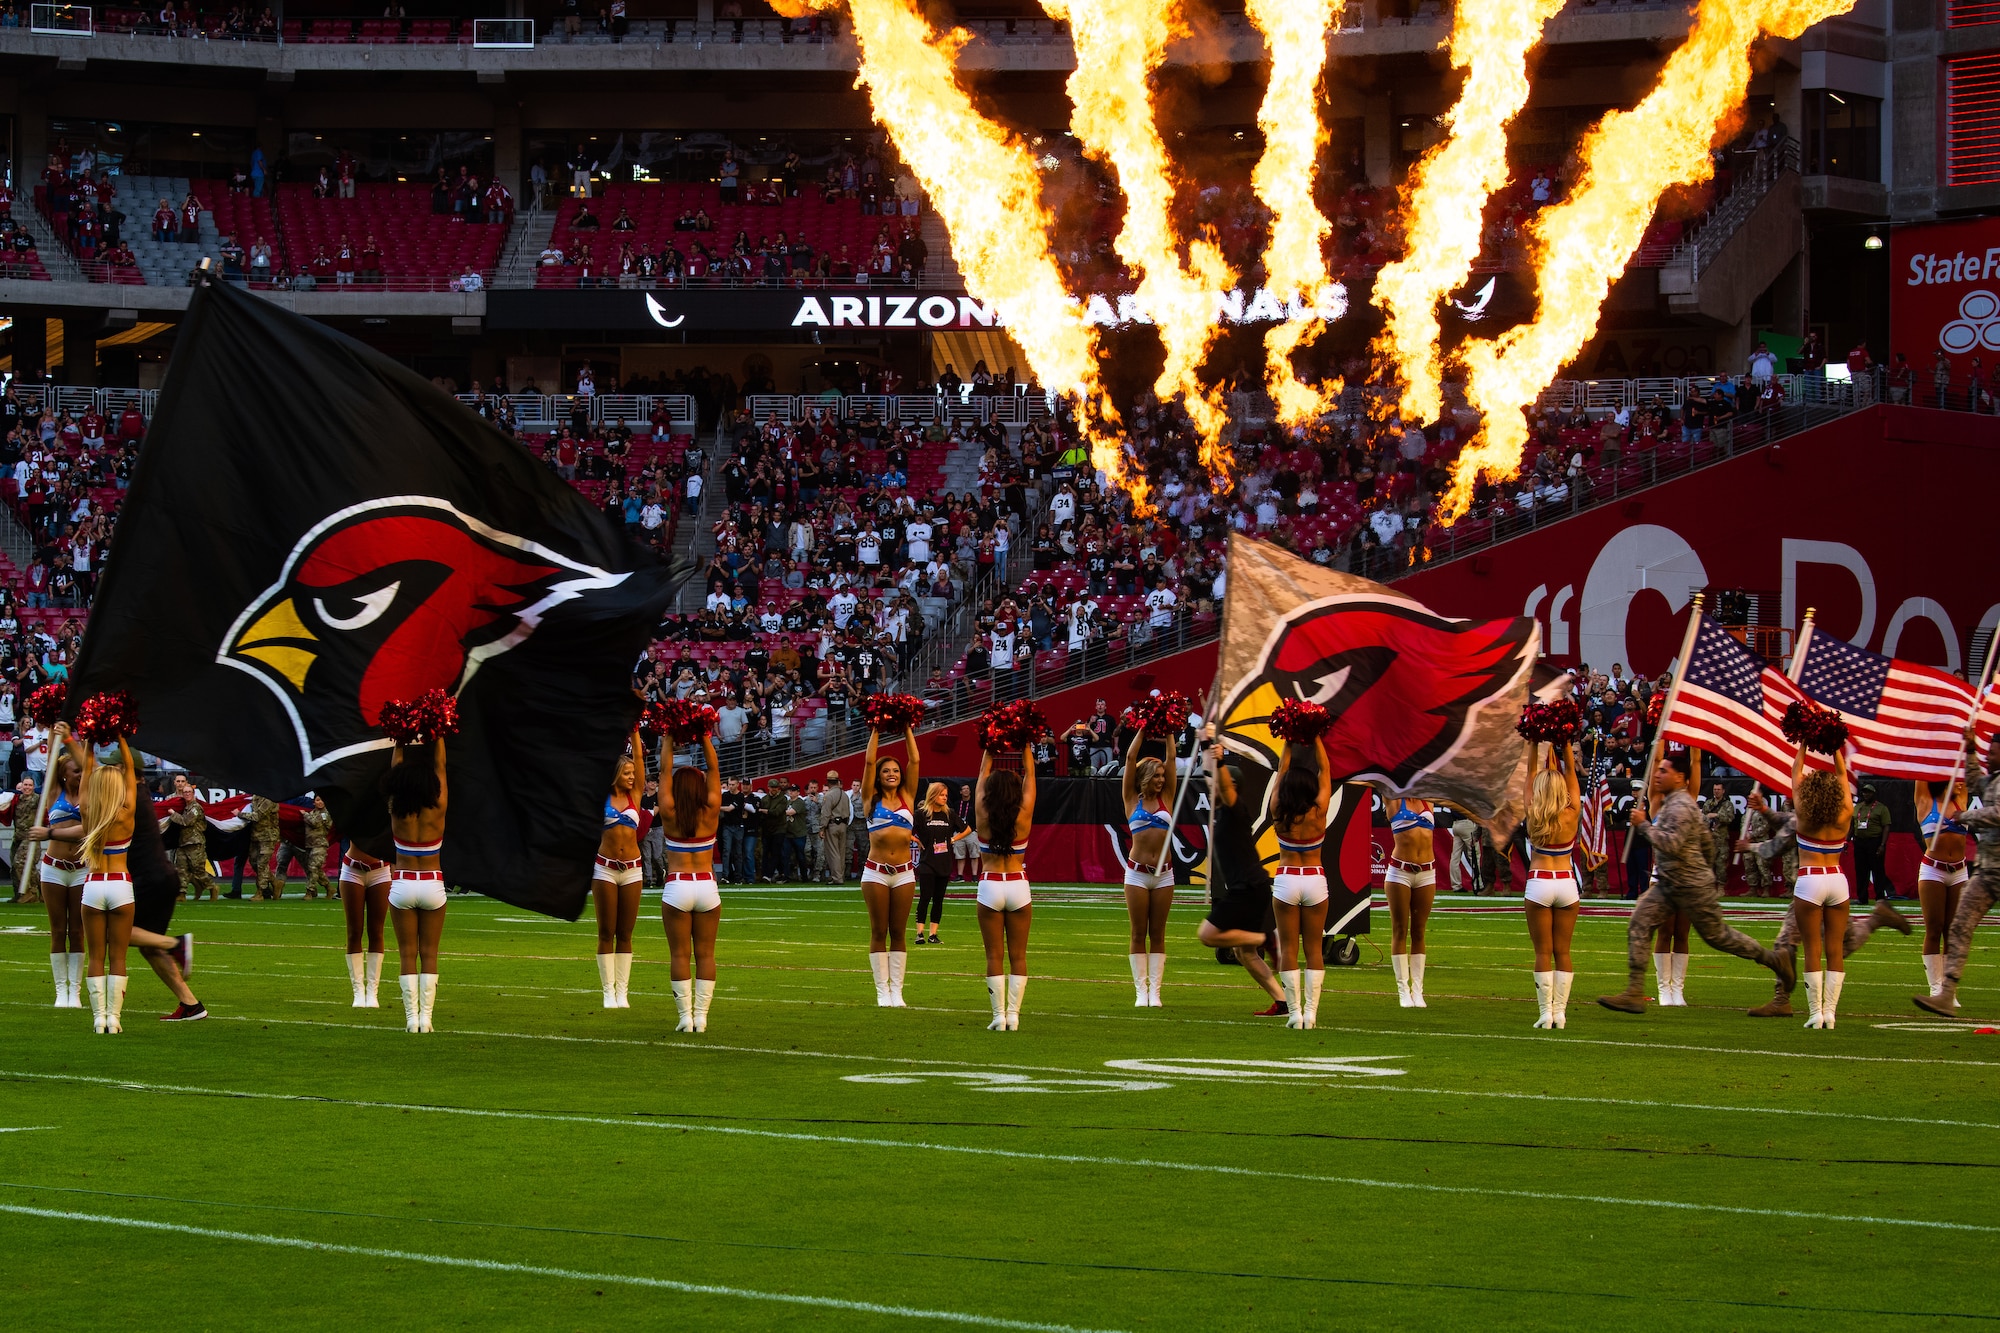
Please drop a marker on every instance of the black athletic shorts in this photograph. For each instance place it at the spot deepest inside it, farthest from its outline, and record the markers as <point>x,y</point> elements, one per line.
<point>153,903</point>
<point>1244,909</point>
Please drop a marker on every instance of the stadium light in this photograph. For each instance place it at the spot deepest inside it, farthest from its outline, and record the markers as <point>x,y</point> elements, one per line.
<point>1874,241</point>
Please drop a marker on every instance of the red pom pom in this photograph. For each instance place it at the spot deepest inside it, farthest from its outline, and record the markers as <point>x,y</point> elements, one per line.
<point>1300,723</point>
<point>105,717</point>
<point>1162,716</point>
<point>892,713</point>
<point>1818,729</point>
<point>1654,707</point>
<point>1013,726</point>
<point>1558,723</point>
<point>683,719</point>
<point>47,704</point>
<point>429,716</point>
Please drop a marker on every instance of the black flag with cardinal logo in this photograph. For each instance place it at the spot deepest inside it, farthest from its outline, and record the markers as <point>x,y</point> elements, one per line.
<point>312,531</point>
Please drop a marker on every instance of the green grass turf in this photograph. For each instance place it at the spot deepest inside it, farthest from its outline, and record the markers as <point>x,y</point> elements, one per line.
<point>812,1145</point>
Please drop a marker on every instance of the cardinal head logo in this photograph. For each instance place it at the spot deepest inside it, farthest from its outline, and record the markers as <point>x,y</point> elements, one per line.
<point>1405,687</point>
<point>387,599</point>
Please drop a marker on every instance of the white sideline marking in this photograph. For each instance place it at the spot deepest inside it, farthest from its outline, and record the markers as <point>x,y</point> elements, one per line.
<point>540,1270</point>
<point>1012,1154</point>
<point>1665,1046</point>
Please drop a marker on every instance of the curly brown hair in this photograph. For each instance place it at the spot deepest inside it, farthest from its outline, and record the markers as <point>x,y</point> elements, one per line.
<point>1818,800</point>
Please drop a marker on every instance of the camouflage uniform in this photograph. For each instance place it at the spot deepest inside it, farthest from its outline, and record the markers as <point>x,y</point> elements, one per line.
<point>1981,891</point>
<point>191,855</point>
<point>264,836</point>
<point>1684,856</point>
<point>319,829</point>
<point>1760,828</point>
<point>1720,813</point>
<point>27,870</point>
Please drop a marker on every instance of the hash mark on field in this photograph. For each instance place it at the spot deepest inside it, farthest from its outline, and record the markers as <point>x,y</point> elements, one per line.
<point>540,1270</point>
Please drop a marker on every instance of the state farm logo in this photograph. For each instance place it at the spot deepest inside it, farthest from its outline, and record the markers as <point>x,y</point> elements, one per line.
<point>1977,325</point>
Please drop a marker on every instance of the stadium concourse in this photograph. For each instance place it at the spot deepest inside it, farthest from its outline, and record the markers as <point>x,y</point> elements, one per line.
<point>737,561</point>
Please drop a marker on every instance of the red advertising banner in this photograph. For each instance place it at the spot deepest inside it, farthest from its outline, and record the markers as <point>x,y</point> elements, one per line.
<point>1945,297</point>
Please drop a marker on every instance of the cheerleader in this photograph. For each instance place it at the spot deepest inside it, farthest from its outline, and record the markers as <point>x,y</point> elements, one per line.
<point>1410,884</point>
<point>1824,809</point>
<point>108,902</point>
<point>415,787</point>
<point>888,876</point>
<point>364,901</point>
<point>62,876</point>
<point>1298,893</point>
<point>1554,805</point>
<point>937,831</point>
<point>1941,877</point>
<point>690,904</point>
<point>1005,808</point>
<point>617,880</point>
<point>1149,893</point>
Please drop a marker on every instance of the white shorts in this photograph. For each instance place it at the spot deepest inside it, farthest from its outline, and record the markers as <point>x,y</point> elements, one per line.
<point>1004,893</point>
<point>353,872</point>
<point>1135,878</point>
<point>69,874</point>
<point>686,891</point>
<point>1299,886</point>
<point>1942,872</point>
<point>1552,889</point>
<point>419,889</point>
<point>107,892</point>
<point>1821,890</point>
<point>880,872</point>
<point>1399,872</point>
<point>619,873</point>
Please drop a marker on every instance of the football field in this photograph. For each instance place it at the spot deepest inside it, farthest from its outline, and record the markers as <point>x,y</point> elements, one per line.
<point>814,1161</point>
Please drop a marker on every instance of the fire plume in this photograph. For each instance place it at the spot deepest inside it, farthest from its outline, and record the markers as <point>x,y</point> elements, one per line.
<point>1119,43</point>
<point>983,182</point>
<point>1490,41</point>
<point>1584,243</point>
<point>1295,260</point>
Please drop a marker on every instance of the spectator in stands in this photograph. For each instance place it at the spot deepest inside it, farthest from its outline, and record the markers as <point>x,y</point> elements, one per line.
<point>164,222</point>
<point>727,175</point>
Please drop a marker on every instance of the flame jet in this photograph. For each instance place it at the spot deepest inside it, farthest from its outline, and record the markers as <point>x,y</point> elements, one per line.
<point>1295,260</point>
<point>1119,43</point>
<point>1584,243</point>
<point>1490,41</point>
<point>984,184</point>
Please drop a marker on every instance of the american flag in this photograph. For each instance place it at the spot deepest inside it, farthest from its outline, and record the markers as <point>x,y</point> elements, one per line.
<point>1731,703</point>
<point>1590,820</point>
<point>1986,723</point>
<point>1903,720</point>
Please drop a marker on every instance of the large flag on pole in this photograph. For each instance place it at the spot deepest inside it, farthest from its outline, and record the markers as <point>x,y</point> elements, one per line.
<point>1424,705</point>
<point>1732,703</point>
<point>1903,720</point>
<point>313,530</point>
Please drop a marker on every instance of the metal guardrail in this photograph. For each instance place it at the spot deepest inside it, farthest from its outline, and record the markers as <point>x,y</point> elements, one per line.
<point>1701,246</point>
<point>77,399</point>
<point>1016,407</point>
<point>556,409</point>
<point>1604,485</point>
<point>823,737</point>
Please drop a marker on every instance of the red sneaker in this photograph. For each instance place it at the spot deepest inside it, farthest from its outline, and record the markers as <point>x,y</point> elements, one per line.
<point>186,1013</point>
<point>1278,1009</point>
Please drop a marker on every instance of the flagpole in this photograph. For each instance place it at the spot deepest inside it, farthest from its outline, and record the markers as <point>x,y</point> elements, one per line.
<point>1958,760</point>
<point>1673,695</point>
<point>42,807</point>
<point>1181,788</point>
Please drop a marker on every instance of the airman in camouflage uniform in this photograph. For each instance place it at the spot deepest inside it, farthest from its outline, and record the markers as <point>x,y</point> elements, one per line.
<point>1720,813</point>
<point>1760,827</point>
<point>191,854</point>
<point>27,870</point>
<point>264,837</point>
<point>319,831</point>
